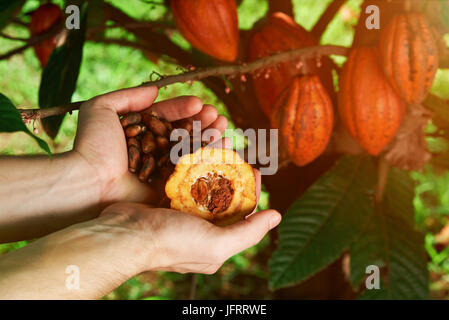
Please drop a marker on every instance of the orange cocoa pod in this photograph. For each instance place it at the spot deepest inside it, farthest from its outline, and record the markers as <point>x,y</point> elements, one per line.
<point>42,20</point>
<point>209,25</point>
<point>409,56</point>
<point>278,33</point>
<point>305,117</point>
<point>368,105</point>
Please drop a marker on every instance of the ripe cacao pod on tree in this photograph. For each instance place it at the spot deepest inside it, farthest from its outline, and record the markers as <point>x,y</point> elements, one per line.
<point>42,20</point>
<point>369,107</point>
<point>209,25</point>
<point>409,56</point>
<point>278,33</point>
<point>304,115</point>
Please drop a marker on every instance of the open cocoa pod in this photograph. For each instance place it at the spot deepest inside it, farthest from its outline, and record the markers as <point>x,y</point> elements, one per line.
<point>214,184</point>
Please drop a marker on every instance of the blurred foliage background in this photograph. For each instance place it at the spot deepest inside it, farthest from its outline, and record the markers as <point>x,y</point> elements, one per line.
<point>108,67</point>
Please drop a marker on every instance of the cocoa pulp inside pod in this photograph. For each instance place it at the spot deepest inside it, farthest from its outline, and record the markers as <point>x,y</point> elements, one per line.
<point>213,192</point>
<point>214,184</point>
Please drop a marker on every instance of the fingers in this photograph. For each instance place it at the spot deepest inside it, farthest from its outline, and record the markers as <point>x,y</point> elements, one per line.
<point>191,109</point>
<point>140,98</point>
<point>220,124</point>
<point>247,233</point>
<point>207,116</point>
<point>224,143</point>
<point>258,187</point>
<point>178,108</point>
<point>127,100</point>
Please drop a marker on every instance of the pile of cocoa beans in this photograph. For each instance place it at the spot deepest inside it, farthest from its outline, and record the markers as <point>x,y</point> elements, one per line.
<point>148,141</point>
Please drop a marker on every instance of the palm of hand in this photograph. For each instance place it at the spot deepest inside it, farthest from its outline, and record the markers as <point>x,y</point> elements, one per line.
<point>101,141</point>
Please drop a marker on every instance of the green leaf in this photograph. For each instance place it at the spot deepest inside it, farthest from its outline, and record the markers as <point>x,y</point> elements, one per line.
<point>321,225</point>
<point>7,9</point>
<point>155,298</point>
<point>437,145</point>
<point>11,121</point>
<point>390,242</point>
<point>60,75</point>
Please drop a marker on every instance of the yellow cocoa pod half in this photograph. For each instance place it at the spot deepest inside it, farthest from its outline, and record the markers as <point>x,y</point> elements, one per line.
<point>214,184</point>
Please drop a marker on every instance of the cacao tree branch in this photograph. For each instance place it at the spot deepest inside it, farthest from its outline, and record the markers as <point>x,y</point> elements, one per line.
<point>20,22</point>
<point>35,114</point>
<point>158,42</point>
<point>190,76</point>
<point>147,25</point>
<point>327,17</point>
<point>125,43</point>
<point>6,36</point>
<point>120,42</point>
<point>161,45</point>
<point>34,41</point>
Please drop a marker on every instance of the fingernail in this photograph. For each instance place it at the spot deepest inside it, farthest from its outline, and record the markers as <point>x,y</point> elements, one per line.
<point>275,219</point>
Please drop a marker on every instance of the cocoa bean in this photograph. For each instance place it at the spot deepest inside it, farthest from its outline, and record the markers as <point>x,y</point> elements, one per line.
<point>148,143</point>
<point>162,143</point>
<point>134,142</point>
<point>131,119</point>
<point>168,125</point>
<point>184,124</point>
<point>155,125</point>
<point>133,159</point>
<point>166,171</point>
<point>133,130</point>
<point>148,167</point>
<point>163,160</point>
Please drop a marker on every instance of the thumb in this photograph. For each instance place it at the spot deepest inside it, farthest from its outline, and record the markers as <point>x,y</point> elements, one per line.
<point>249,232</point>
<point>127,100</point>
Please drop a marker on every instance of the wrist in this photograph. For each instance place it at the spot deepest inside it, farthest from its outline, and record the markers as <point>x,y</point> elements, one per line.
<point>82,170</point>
<point>139,237</point>
<point>103,252</point>
<point>123,250</point>
<point>54,193</point>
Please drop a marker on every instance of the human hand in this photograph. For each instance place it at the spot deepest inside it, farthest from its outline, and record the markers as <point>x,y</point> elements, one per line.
<point>127,239</point>
<point>100,142</point>
<point>179,242</point>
